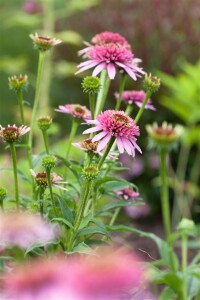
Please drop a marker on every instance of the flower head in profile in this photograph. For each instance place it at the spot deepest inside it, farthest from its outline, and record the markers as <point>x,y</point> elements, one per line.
<point>42,181</point>
<point>128,194</point>
<point>135,97</point>
<point>12,133</point>
<point>116,124</point>
<point>43,43</point>
<point>23,229</point>
<point>18,83</point>
<point>75,110</point>
<point>88,146</point>
<point>111,57</point>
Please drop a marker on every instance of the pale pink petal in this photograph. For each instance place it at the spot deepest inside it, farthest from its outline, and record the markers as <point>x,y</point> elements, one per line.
<point>120,145</point>
<point>86,67</point>
<point>135,68</point>
<point>111,71</point>
<point>135,145</point>
<point>87,63</point>
<point>60,187</point>
<point>92,122</point>
<point>102,144</point>
<point>127,146</point>
<point>99,136</point>
<point>93,129</point>
<point>99,68</point>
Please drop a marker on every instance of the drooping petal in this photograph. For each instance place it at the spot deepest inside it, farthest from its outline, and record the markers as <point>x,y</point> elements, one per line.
<point>93,129</point>
<point>127,146</point>
<point>111,71</point>
<point>135,145</point>
<point>99,136</point>
<point>89,66</point>
<point>87,63</point>
<point>99,68</point>
<point>102,144</point>
<point>120,145</point>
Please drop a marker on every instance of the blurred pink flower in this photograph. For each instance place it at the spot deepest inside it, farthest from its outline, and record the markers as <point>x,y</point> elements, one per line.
<point>108,275</point>
<point>135,97</point>
<point>137,212</point>
<point>23,229</point>
<point>128,193</point>
<point>32,7</point>
<point>111,57</point>
<point>75,110</point>
<point>118,124</point>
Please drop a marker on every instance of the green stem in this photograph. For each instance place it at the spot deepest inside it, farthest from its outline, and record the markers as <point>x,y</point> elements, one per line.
<point>106,152</point>
<point>48,172</point>
<point>20,102</point>
<point>74,127</point>
<point>41,198</point>
<point>140,112</point>
<point>1,205</point>
<point>129,109</point>
<point>44,134</point>
<point>105,83</point>
<point>14,160</point>
<point>92,106</point>
<point>36,100</point>
<point>121,89</point>
<point>184,265</point>
<point>115,215</point>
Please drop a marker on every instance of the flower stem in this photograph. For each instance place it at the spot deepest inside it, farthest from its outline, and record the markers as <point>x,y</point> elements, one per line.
<point>140,112</point>
<point>36,100</point>
<point>74,127</point>
<point>106,152</point>
<point>14,160</point>
<point>105,83</point>
<point>121,89</point>
<point>41,196</point>
<point>129,110</point>
<point>184,265</point>
<point>44,134</point>
<point>20,102</point>
<point>92,106</point>
<point>48,172</point>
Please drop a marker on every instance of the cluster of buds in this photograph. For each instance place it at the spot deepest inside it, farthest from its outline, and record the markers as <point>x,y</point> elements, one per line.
<point>91,85</point>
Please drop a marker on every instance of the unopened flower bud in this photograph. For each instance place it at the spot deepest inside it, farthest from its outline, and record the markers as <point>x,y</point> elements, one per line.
<point>49,162</point>
<point>186,227</point>
<point>44,123</point>
<point>43,43</point>
<point>164,136</point>
<point>91,85</point>
<point>151,83</point>
<point>18,83</point>
<point>90,173</point>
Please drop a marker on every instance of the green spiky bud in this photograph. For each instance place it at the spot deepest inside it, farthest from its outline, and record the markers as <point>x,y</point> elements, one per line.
<point>91,85</point>
<point>151,83</point>
<point>44,123</point>
<point>90,173</point>
<point>18,83</point>
<point>49,162</point>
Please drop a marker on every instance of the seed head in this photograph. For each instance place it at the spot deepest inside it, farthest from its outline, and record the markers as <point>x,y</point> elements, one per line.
<point>90,173</point>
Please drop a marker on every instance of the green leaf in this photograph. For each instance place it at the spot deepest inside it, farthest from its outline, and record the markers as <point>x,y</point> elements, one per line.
<point>65,209</point>
<point>173,280</point>
<point>167,294</point>
<point>82,248</point>
<point>63,221</point>
<point>115,204</point>
<point>112,183</point>
<point>37,247</point>
<point>92,230</point>
<point>85,221</point>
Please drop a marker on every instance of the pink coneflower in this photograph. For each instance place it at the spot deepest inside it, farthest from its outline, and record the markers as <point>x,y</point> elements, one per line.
<point>23,229</point>
<point>104,38</point>
<point>75,110</point>
<point>41,180</point>
<point>87,145</point>
<point>118,124</point>
<point>135,97</point>
<point>111,57</point>
<point>128,194</point>
<point>32,7</point>
<point>12,133</point>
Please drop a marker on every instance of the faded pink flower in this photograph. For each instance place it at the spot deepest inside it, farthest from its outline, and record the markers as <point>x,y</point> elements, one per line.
<point>128,193</point>
<point>135,97</point>
<point>41,180</point>
<point>104,38</point>
<point>12,133</point>
<point>111,57</point>
<point>118,124</point>
<point>88,146</point>
<point>76,110</point>
<point>23,229</point>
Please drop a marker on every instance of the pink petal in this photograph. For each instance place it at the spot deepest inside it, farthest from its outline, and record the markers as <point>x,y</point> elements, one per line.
<point>102,144</point>
<point>111,71</point>
<point>135,68</point>
<point>86,67</point>
<point>120,145</point>
<point>99,136</point>
<point>87,63</point>
<point>92,122</point>
<point>93,129</point>
<point>135,145</point>
<point>127,69</point>
<point>127,146</point>
<point>99,68</point>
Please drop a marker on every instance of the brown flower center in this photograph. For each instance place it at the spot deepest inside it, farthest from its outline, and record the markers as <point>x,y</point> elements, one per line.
<point>89,145</point>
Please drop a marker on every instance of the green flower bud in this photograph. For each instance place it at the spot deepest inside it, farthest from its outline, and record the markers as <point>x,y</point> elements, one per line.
<point>151,83</point>
<point>91,85</point>
<point>18,83</point>
<point>186,227</point>
<point>49,162</point>
<point>44,123</point>
<point>90,173</point>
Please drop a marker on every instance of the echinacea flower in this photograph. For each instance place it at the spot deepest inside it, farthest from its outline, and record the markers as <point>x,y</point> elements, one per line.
<point>12,133</point>
<point>23,229</point>
<point>111,57</point>
<point>43,43</point>
<point>116,124</point>
<point>104,38</point>
<point>42,181</point>
<point>128,194</point>
<point>88,146</point>
<point>75,110</point>
<point>135,97</point>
